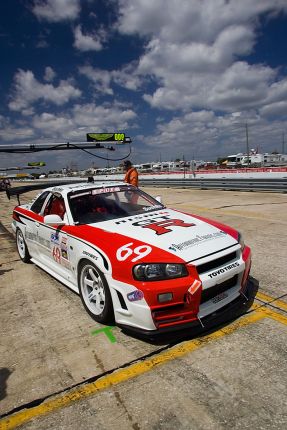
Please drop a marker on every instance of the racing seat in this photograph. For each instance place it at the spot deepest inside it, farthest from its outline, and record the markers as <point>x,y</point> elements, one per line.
<point>99,205</point>
<point>57,207</point>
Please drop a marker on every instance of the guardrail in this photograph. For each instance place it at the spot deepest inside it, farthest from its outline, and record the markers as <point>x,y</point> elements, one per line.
<point>278,185</point>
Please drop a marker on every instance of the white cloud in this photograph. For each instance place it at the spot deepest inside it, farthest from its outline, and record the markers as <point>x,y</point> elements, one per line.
<point>56,10</point>
<point>241,86</point>
<point>28,90</point>
<point>15,132</point>
<point>277,109</point>
<point>128,77</point>
<point>74,124</point>
<point>101,79</point>
<point>187,20</point>
<point>204,135</point>
<point>52,125</point>
<point>104,117</point>
<point>89,42</point>
<point>195,51</point>
<point>50,74</point>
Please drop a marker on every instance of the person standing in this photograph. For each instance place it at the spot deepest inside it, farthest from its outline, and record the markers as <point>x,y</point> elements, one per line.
<point>131,176</point>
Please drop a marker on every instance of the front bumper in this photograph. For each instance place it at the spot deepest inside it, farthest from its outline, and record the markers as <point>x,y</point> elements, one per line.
<point>229,312</point>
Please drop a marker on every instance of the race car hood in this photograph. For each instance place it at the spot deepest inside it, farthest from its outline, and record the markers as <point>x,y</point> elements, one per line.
<point>183,235</point>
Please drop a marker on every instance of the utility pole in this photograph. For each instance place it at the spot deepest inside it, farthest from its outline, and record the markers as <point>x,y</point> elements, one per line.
<point>183,167</point>
<point>283,143</point>
<point>247,143</point>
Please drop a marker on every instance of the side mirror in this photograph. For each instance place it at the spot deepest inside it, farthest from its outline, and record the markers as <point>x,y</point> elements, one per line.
<point>53,219</point>
<point>158,198</point>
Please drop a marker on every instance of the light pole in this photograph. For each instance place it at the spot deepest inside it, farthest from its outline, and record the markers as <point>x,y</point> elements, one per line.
<point>247,143</point>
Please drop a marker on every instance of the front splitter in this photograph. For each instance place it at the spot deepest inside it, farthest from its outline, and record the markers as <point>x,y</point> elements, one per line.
<point>225,314</point>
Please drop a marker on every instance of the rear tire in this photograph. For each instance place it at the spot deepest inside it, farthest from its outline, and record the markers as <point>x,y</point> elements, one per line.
<point>22,247</point>
<point>95,293</point>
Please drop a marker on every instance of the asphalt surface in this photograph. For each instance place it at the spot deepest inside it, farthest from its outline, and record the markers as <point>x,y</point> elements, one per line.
<point>60,370</point>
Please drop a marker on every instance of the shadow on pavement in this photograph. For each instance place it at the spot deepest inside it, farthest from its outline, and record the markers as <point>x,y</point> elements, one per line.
<point>4,375</point>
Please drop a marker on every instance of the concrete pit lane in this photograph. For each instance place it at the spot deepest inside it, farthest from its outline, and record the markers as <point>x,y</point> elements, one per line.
<point>61,370</point>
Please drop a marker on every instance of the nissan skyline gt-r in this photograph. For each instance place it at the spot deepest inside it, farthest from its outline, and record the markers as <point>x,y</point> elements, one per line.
<point>132,260</point>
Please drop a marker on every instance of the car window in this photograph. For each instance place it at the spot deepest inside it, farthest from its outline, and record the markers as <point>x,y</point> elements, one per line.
<point>97,205</point>
<point>38,203</point>
<point>55,206</point>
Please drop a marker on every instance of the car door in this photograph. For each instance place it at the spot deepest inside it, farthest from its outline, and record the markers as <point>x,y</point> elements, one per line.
<point>31,224</point>
<point>53,242</point>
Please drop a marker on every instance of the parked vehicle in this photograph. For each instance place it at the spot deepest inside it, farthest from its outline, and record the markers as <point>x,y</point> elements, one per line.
<point>151,269</point>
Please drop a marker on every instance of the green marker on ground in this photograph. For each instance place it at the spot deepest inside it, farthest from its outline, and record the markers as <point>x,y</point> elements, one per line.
<point>108,333</point>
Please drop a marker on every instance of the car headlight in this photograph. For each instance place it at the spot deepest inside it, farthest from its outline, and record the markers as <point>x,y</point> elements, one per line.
<point>159,271</point>
<point>241,241</point>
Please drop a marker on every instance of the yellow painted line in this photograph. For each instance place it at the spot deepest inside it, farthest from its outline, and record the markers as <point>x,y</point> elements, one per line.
<point>277,302</point>
<point>126,374</point>
<point>136,369</point>
<point>269,313</point>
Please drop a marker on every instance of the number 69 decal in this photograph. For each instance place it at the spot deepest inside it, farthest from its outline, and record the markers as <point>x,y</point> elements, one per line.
<point>126,251</point>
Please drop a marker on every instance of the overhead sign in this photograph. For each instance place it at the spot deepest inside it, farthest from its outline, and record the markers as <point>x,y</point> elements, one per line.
<point>37,163</point>
<point>106,137</point>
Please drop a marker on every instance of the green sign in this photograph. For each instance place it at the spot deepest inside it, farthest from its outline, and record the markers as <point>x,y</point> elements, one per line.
<point>105,137</point>
<point>37,163</point>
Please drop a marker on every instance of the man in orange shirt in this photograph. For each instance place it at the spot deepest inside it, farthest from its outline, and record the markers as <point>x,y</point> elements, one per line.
<point>131,176</point>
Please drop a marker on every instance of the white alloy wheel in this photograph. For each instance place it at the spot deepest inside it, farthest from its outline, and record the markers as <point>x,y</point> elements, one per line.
<point>95,292</point>
<point>22,247</point>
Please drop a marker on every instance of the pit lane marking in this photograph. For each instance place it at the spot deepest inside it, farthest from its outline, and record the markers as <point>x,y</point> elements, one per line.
<point>268,300</point>
<point>70,396</point>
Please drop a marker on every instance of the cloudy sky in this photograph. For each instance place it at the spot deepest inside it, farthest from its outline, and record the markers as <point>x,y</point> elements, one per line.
<point>180,77</point>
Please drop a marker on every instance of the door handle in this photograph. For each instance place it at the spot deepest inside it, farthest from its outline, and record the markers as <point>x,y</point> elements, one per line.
<point>37,224</point>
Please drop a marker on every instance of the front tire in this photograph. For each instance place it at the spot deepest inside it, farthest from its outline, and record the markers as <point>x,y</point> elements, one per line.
<point>22,247</point>
<point>95,293</point>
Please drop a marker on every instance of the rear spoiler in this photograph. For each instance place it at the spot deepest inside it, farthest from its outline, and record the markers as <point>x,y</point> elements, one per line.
<point>17,191</point>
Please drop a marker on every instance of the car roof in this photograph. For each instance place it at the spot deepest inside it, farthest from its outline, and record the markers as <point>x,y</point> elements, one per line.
<point>67,188</point>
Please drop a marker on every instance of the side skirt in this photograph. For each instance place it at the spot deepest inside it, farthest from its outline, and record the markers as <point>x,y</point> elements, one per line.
<point>57,277</point>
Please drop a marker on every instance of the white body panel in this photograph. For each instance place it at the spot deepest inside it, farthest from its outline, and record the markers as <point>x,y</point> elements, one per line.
<point>194,242</point>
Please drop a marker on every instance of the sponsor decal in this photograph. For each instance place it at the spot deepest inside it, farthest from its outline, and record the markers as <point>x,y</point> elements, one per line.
<point>41,240</point>
<point>64,248</point>
<point>142,217</point>
<point>219,297</point>
<point>125,251</point>
<point>163,227</point>
<point>55,237</point>
<point>44,242</point>
<point>196,240</point>
<point>224,269</point>
<point>60,250</point>
<point>151,208</point>
<point>56,253</point>
<point>30,236</point>
<point>193,289</point>
<point>88,254</point>
<point>135,296</point>
<point>106,190</point>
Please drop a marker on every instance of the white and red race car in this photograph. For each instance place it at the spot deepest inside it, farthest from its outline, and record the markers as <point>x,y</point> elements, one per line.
<point>131,259</point>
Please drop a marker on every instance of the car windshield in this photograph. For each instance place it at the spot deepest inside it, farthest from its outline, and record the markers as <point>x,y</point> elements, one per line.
<point>103,204</point>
